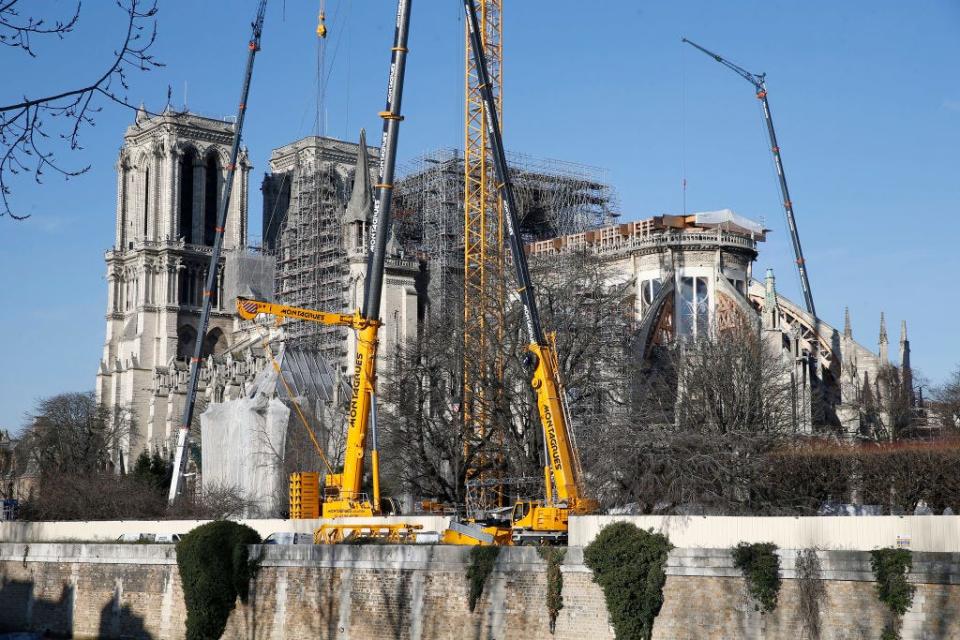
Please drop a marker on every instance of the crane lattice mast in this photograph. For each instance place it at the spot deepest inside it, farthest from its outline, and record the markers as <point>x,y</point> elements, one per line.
<point>483,236</point>
<point>759,83</point>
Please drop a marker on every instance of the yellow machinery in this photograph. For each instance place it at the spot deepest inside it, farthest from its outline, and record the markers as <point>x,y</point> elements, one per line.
<point>342,492</point>
<point>541,521</point>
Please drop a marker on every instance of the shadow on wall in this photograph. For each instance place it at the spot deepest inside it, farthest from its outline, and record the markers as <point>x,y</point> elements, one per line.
<point>20,611</point>
<point>118,621</point>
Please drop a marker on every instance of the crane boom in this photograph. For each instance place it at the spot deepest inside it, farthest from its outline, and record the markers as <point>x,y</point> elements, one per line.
<point>562,468</point>
<point>759,83</point>
<point>180,457</point>
<point>343,491</point>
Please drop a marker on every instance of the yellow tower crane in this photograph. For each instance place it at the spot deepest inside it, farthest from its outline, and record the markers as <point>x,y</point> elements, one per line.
<point>483,248</point>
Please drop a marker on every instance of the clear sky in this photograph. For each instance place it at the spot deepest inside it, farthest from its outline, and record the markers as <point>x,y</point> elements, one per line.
<point>866,97</point>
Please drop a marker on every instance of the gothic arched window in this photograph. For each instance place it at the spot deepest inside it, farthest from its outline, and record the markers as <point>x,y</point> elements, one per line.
<point>215,343</point>
<point>211,193</point>
<point>186,335</point>
<point>186,195</point>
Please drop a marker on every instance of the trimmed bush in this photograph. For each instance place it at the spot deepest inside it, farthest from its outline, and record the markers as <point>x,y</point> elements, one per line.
<point>554,557</point>
<point>627,563</point>
<point>760,566</point>
<point>482,560</point>
<point>890,568</point>
<point>215,569</point>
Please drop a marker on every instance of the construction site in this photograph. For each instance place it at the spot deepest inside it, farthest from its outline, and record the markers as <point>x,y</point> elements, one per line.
<point>429,361</point>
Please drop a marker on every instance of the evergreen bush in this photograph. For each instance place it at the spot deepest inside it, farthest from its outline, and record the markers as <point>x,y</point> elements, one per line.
<point>554,557</point>
<point>482,560</point>
<point>628,564</point>
<point>890,568</point>
<point>214,569</point>
<point>760,565</point>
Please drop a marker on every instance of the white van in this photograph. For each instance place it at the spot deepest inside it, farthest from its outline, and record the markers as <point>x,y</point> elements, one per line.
<point>289,537</point>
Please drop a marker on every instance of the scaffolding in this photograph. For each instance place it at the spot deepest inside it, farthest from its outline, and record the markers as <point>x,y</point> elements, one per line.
<point>304,202</point>
<point>555,198</point>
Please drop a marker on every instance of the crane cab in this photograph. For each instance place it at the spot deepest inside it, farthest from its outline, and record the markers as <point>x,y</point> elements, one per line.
<point>532,523</point>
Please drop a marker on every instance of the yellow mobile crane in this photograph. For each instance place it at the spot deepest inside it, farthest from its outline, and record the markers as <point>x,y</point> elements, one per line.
<point>343,496</point>
<point>532,521</point>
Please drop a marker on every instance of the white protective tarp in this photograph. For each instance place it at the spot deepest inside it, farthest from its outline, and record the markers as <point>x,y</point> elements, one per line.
<point>243,445</point>
<point>728,216</point>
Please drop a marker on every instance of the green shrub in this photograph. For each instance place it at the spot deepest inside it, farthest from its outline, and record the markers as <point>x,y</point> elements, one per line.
<point>628,563</point>
<point>760,565</point>
<point>214,568</point>
<point>482,560</point>
<point>890,568</point>
<point>554,557</point>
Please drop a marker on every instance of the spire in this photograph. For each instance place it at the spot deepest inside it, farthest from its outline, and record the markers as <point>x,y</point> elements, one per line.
<point>770,287</point>
<point>884,352</point>
<point>770,301</point>
<point>906,371</point>
<point>393,247</point>
<point>141,114</point>
<point>360,207</point>
<point>847,330</point>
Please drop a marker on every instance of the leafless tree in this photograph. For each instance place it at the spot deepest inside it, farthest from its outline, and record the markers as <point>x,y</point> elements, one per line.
<point>886,407</point>
<point>25,146</point>
<point>945,404</point>
<point>705,416</point>
<point>426,449</point>
<point>72,433</point>
<point>431,450</point>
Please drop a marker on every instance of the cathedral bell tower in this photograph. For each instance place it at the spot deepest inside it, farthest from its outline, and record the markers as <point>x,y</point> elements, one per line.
<point>170,177</point>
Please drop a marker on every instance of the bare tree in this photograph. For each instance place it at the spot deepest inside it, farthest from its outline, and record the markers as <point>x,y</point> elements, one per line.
<point>945,403</point>
<point>706,414</point>
<point>71,433</point>
<point>886,407</point>
<point>431,450</point>
<point>25,146</point>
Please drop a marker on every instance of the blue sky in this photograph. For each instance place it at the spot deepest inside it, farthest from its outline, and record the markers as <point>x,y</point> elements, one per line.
<point>866,97</point>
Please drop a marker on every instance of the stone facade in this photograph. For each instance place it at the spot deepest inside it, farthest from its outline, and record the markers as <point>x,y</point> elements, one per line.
<point>693,274</point>
<point>170,176</point>
<point>375,592</point>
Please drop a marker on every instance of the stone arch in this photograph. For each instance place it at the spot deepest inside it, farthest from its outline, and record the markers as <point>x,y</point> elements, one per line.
<point>211,195</point>
<point>215,343</point>
<point>187,188</point>
<point>186,337</point>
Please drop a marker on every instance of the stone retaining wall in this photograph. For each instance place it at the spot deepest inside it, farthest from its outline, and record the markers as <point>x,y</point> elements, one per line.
<point>419,592</point>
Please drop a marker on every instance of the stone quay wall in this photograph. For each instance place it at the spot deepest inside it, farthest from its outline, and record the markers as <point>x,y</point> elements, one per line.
<point>420,592</point>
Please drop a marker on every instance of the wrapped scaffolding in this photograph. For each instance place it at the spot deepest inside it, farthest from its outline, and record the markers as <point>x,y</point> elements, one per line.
<point>248,273</point>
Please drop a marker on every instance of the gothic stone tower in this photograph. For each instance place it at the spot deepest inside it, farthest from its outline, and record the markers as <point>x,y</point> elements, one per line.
<point>170,176</point>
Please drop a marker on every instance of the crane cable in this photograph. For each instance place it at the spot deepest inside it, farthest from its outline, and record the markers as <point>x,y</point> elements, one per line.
<point>293,400</point>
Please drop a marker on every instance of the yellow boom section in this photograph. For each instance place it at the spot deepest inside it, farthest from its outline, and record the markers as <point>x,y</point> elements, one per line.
<point>343,491</point>
<point>562,472</point>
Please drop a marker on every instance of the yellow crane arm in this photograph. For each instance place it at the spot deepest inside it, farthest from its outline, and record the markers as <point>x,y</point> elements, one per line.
<point>250,309</point>
<point>562,472</point>
<point>343,489</point>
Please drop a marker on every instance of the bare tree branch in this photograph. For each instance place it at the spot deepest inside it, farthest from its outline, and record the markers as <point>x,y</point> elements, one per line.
<point>14,32</point>
<point>24,141</point>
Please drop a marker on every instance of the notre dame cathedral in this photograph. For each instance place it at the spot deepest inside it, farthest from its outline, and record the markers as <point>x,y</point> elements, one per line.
<point>170,176</point>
